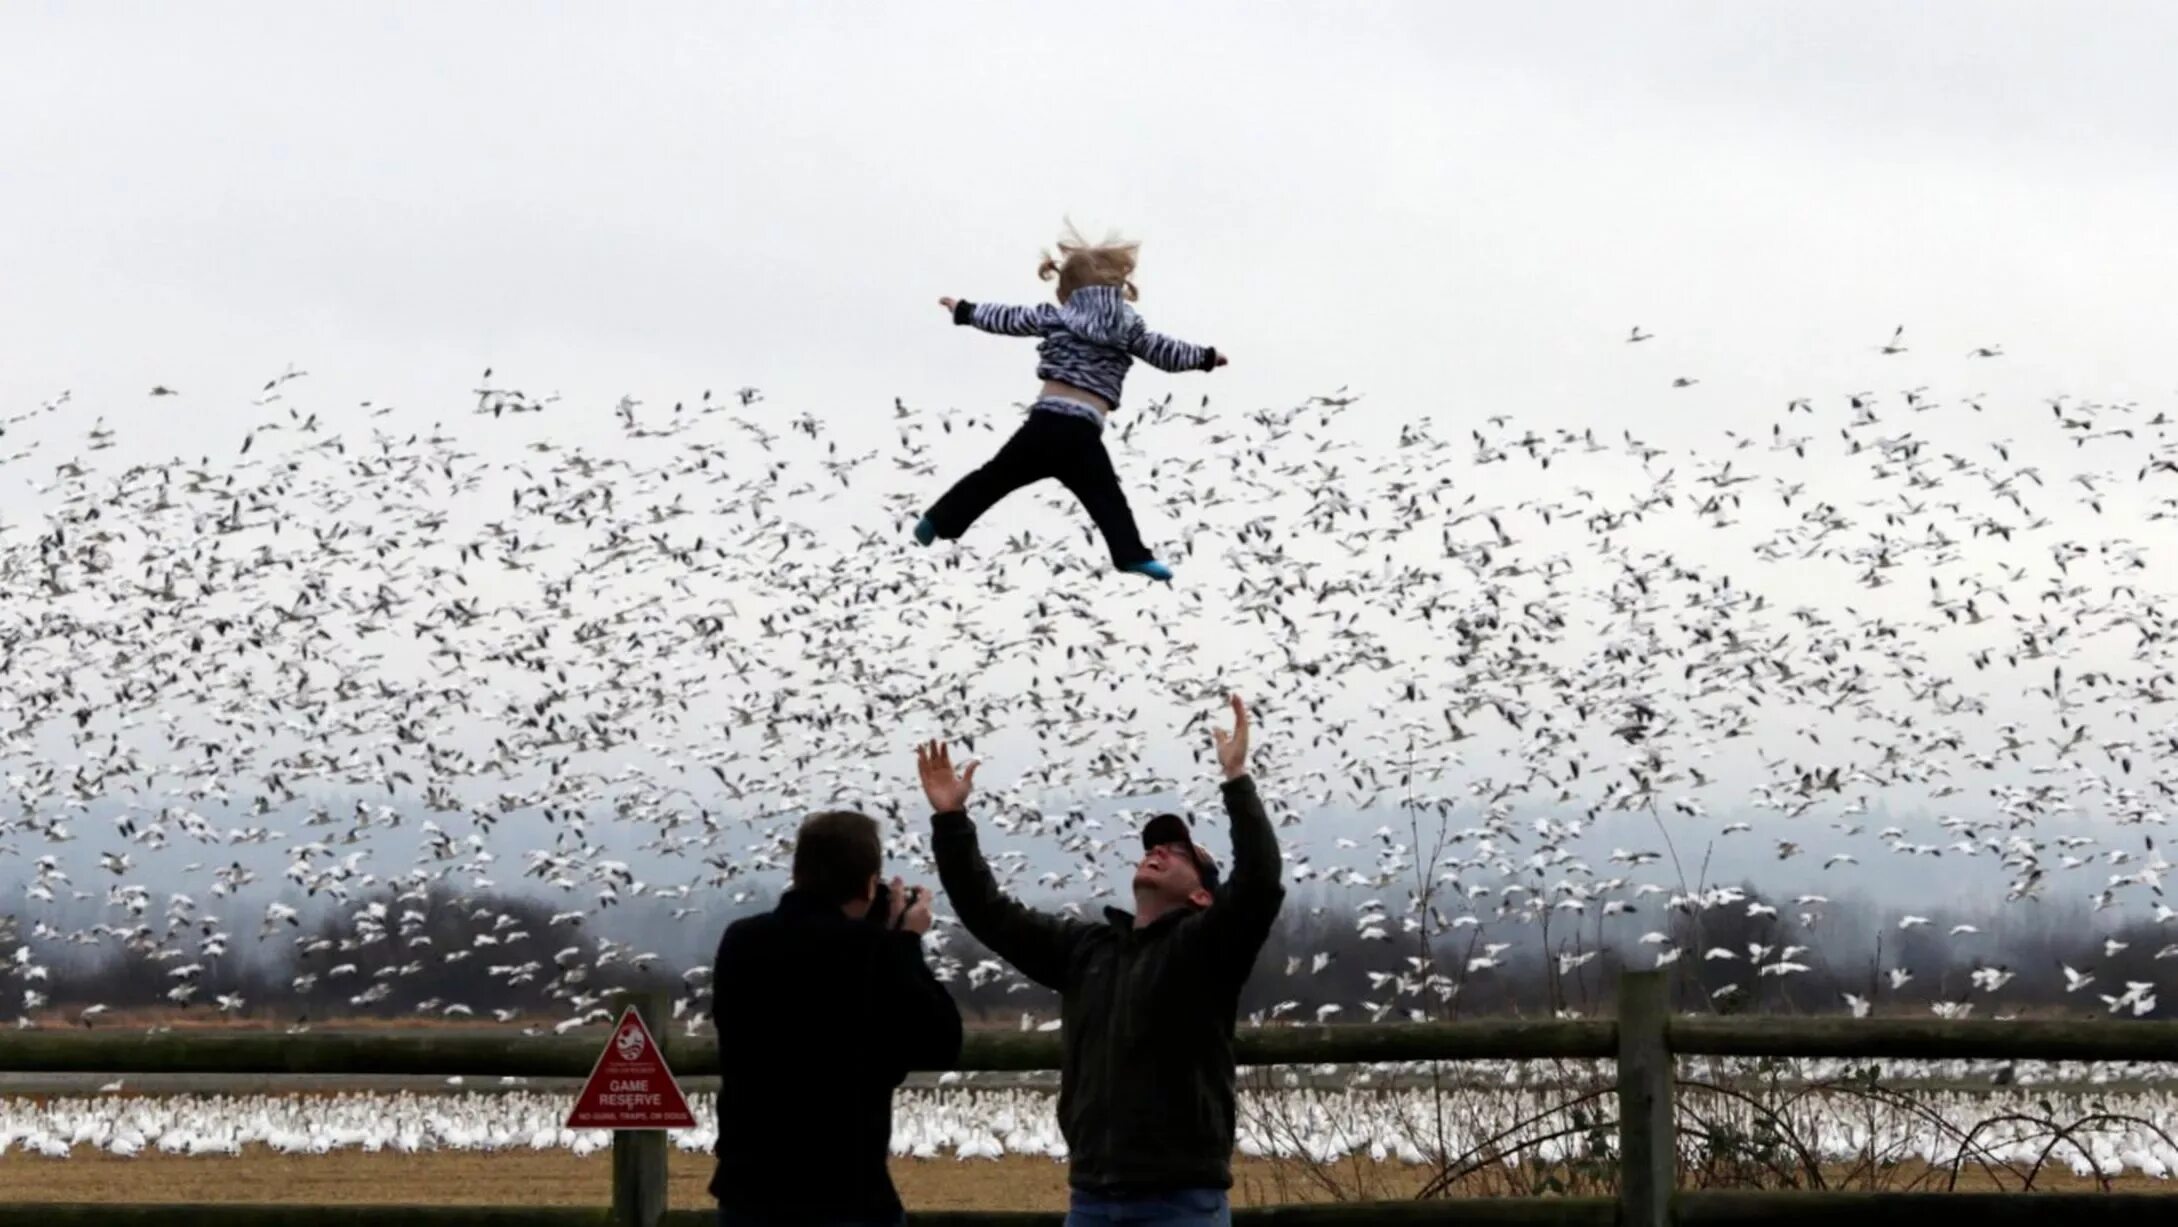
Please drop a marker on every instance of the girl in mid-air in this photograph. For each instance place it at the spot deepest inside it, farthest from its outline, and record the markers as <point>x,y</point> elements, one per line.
<point>1089,340</point>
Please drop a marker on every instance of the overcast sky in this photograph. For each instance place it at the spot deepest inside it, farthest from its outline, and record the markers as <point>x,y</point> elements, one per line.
<point>1452,208</point>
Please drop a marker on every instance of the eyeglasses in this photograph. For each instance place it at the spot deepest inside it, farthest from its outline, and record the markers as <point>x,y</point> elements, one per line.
<point>1175,852</point>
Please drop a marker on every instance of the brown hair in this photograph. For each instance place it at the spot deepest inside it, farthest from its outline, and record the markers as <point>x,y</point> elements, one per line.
<point>835,855</point>
<point>1081,262</point>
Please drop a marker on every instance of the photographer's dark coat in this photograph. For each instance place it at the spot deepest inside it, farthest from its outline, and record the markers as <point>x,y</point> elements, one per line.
<point>819,1018</point>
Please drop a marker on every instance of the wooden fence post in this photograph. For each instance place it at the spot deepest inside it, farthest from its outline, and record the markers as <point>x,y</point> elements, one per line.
<point>639,1155</point>
<point>1648,1149</point>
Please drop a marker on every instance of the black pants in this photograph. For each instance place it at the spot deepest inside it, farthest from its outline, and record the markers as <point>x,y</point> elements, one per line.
<point>1048,445</point>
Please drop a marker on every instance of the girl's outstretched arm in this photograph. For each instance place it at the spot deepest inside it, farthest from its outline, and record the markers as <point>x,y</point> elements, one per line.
<point>1172,354</point>
<point>1004,320</point>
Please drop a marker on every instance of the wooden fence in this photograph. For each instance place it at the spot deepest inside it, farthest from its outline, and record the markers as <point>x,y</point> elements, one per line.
<point>1644,1039</point>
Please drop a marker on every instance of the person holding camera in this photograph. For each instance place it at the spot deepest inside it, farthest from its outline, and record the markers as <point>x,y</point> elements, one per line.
<point>1148,1000</point>
<point>822,1005</point>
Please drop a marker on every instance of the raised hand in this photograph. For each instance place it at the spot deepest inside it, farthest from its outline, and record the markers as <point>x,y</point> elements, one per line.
<point>1233,747</point>
<point>947,303</point>
<point>947,793</point>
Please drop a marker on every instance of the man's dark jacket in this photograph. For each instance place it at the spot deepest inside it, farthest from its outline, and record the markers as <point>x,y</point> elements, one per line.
<point>819,1018</point>
<point>1146,1085</point>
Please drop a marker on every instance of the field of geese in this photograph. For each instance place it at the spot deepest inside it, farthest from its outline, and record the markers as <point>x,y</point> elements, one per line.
<point>279,712</point>
<point>2078,1129</point>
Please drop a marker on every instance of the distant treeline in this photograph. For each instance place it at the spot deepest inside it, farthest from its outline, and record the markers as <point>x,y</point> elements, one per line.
<point>517,954</point>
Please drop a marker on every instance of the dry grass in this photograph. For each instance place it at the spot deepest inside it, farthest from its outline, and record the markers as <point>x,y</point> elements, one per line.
<point>518,1177</point>
<point>523,1177</point>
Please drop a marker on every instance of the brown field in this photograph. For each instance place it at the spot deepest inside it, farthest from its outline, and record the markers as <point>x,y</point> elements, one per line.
<point>525,1177</point>
<point>514,1177</point>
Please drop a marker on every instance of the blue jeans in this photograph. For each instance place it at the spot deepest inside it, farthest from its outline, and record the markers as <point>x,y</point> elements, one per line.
<point>1180,1208</point>
<point>730,1218</point>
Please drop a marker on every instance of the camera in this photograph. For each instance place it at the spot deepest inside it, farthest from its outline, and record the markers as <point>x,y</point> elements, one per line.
<point>880,913</point>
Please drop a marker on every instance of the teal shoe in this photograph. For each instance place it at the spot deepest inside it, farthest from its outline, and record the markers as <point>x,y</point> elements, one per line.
<point>1152,568</point>
<point>925,531</point>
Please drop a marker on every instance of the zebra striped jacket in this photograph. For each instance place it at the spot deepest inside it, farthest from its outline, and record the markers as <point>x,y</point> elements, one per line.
<point>1089,342</point>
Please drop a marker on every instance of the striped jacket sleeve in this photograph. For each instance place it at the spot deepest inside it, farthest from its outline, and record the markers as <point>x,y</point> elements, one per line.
<point>1172,354</point>
<point>1004,320</point>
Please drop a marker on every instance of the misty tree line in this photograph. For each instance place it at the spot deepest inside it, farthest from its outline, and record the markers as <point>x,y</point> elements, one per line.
<point>383,955</point>
<point>1331,953</point>
<point>386,956</point>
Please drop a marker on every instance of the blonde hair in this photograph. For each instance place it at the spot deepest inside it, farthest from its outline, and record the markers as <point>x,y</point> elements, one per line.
<point>1081,263</point>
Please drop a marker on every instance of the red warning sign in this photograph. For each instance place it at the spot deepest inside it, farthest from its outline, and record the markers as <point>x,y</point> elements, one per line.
<point>630,1087</point>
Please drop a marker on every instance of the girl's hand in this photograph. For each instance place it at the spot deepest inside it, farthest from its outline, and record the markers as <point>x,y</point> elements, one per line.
<point>1220,361</point>
<point>947,303</point>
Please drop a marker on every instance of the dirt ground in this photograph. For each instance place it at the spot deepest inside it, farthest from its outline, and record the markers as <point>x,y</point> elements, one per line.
<point>523,1177</point>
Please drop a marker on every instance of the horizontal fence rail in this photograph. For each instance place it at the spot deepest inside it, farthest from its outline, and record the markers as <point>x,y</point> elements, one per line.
<point>266,1052</point>
<point>1923,1209</point>
<point>1542,1212</point>
<point>1932,1039</point>
<point>1691,1209</point>
<point>119,1051</point>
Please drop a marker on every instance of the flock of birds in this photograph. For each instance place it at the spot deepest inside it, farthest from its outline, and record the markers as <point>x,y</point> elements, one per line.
<point>1505,676</point>
<point>2103,1136</point>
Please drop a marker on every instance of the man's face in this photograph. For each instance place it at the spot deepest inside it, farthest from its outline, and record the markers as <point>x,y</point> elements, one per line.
<point>1168,870</point>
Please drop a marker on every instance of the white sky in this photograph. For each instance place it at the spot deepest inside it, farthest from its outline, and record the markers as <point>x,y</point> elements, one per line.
<point>1453,208</point>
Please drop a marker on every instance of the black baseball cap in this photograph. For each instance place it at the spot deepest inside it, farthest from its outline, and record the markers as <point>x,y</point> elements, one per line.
<point>1164,829</point>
